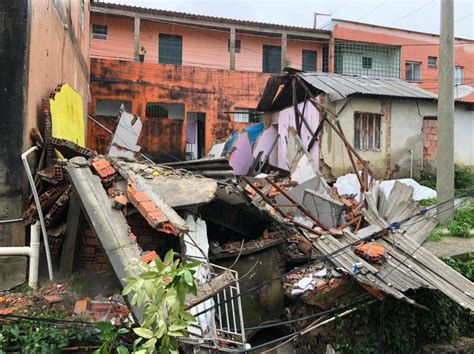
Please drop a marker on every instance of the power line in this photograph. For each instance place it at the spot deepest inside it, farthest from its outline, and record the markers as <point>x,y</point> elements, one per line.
<point>412,12</point>
<point>374,9</point>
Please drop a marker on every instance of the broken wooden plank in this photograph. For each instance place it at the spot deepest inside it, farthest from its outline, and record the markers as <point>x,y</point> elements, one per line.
<point>211,288</point>
<point>70,238</point>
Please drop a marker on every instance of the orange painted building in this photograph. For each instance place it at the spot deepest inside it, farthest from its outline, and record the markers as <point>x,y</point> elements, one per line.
<point>197,71</point>
<point>357,46</point>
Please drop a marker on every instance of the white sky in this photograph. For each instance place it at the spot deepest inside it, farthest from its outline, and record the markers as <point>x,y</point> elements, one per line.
<point>417,15</point>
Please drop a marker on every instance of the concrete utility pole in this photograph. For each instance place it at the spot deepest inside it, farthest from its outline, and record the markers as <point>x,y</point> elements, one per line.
<point>445,151</point>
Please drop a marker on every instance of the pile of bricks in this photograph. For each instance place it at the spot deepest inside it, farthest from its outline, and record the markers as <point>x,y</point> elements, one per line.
<point>90,256</point>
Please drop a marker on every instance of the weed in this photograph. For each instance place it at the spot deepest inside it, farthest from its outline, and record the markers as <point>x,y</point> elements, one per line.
<point>427,202</point>
<point>463,221</point>
<point>464,267</point>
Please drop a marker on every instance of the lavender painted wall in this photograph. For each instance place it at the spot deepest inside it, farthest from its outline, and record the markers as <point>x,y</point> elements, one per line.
<point>265,142</point>
<point>241,158</point>
<point>286,119</point>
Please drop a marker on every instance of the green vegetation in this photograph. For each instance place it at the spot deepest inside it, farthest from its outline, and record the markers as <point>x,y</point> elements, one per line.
<point>109,335</point>
<point>34,337</point>
<point>460,226</point>
<point>161,290</point>
<point>427,202</point>
<point>463,179</point>
<point>393,326</point>
<point>463,266</point>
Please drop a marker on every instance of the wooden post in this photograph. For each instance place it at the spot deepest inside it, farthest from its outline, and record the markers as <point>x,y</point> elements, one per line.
<point>70,238</point>
<point>283,51</point>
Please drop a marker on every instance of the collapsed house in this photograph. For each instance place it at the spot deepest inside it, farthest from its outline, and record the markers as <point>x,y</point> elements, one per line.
<point>258,212</point>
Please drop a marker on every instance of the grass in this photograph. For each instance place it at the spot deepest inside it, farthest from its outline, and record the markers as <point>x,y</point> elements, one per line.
<point>463,266</point>
<point>460,226</point>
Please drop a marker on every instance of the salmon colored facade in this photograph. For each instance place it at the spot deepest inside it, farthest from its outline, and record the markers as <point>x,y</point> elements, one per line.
<point>204,82</point>
<point>414,47</point>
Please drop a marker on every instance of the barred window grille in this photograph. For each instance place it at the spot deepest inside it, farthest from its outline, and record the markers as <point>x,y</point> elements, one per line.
<point>458,76</point>
<point>325,61</point>
<point>367,131</point>
<point>170,49</point>
<point>432,62</point>
<point>362,59</point>
<point>271,59</point>
<point>309,60</point>
<point>99,31</point>
<point>165,110</point>
<point>246,115</point>
<point>413,71</point>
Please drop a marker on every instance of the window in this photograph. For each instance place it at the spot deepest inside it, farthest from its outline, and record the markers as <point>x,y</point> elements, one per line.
<point>165,110</point>
<point>271,59</point>
<point>366,63</point>
<point>432,62</point>
<point>111,107</point>
<point>170,49</point>
<point>458,76</point>
<point>367,131</point>
<point>325,62</point>
<point>237,46</point>
<point>413,71</point>
<point>309,60</point>
<point>99,31</point>
<point>245,115</point>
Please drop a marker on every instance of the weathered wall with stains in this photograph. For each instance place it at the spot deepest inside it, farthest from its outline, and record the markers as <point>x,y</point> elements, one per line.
<point>333,151</point>
<point>211,91</point>
<point>415,46</point>
<point>201,47</point>
<point>14,18</point>
<point>58,53</point>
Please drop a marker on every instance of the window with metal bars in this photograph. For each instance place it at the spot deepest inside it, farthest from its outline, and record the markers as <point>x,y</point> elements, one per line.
<point>432,62</point>
<point>367,131</point>
<point>325,61</point>
<point>170,49</point>
<point>271,59</point>
<point>363,59</point>
<point>99,31</point>
<point>165,110</point>
<point>246,115</point>
<point>458,75</point>
<point>413,71</point>
<point>309,60</point>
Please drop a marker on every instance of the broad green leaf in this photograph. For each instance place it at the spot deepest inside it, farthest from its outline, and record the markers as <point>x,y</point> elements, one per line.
<point>188,277</point>
<point>150,344</point>
<point>104,326</point>
<point>149,275</point>
<point>177,327</point>
<point>143,332</point>
<point>122,350</point>
<point>175,333</point>
<point>123,330</point>
<point>169,257</point>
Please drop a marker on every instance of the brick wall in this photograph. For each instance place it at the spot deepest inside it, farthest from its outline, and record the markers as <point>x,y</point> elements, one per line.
<point>430,139</point>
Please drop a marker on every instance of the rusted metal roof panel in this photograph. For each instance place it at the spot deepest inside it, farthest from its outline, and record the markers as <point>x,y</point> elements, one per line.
<point>338,87</point>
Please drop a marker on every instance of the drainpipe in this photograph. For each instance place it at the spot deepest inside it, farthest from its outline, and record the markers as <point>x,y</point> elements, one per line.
<point>411,163</point>
<point>38,207</point>
<point>32,252</point>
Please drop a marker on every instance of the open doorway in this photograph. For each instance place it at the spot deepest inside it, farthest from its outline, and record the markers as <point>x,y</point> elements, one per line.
<point>195,135</point>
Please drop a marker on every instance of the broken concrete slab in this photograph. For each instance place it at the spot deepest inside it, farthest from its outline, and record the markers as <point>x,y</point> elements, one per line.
<point>177,190</point>
<point>300,163</point>
<point>108,224</point>
<point>327,210</point>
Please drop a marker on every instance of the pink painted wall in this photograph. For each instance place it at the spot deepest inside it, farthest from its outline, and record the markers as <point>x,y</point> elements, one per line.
<point>264,143</point>
<point>201,47</point>
<point>241,158</point>
<point>286,120</point>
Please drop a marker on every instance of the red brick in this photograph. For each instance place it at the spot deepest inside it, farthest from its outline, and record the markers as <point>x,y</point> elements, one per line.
<point>51,299</point>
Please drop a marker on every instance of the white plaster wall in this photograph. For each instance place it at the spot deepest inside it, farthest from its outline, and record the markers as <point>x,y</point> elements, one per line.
<point>407,134</point>
<point>464,135</point>
<point>333,150</point>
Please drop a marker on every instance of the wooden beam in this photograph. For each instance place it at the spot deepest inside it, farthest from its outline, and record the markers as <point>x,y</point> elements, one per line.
<point>70,238</point>
<point>211,288</point>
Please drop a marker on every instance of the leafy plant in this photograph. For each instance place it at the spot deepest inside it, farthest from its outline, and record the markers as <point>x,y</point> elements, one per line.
<point>161,290</point>
<point>427,202</point>
<point>463,221</point>
<point>465,267</point>
<point>109,335</point>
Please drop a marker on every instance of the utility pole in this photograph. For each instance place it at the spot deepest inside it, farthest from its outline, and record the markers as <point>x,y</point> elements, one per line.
<point>445,150</point>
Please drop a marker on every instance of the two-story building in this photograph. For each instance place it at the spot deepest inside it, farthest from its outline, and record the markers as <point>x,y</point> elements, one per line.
<point>192,79</point>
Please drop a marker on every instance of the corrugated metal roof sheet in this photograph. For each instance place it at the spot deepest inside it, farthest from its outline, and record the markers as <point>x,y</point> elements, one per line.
<point>216,19</point>
<point>338,87</point>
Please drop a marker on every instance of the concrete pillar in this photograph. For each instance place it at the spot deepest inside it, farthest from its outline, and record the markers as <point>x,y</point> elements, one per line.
<point>445,153</point>
<point>136,37</point>
<point>284,57</point>
<point>232,48</point>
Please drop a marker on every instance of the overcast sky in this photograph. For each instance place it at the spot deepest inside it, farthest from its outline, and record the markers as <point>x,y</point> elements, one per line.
<point>418,15</point>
